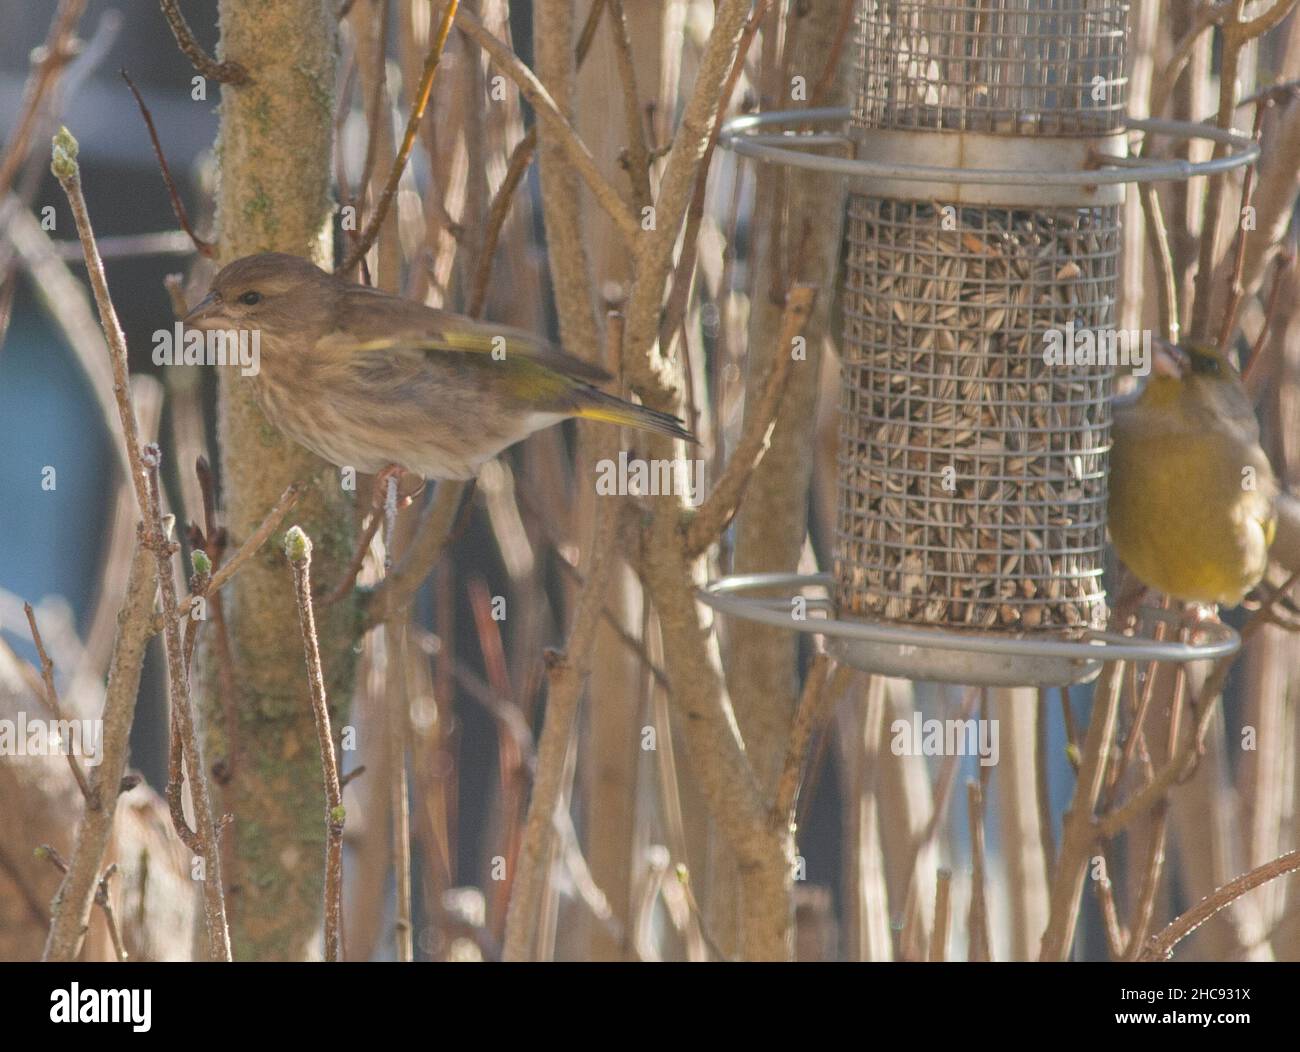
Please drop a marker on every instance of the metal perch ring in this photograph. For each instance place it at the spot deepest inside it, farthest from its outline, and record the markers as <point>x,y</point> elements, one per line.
<point>745,135</point>
<point>956,656</point>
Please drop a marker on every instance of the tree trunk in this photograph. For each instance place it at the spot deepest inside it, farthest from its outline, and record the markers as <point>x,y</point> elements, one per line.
<point>274,149</point>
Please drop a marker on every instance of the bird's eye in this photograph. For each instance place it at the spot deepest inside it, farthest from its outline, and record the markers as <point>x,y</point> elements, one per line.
<point>1206,365</point>
<point>250,299</point>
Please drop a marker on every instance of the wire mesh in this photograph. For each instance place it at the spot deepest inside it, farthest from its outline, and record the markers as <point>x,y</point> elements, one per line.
<point>1028,67</point>
<point>972,472</point>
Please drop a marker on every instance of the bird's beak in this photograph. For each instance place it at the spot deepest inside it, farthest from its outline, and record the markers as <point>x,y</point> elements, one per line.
<point>1170,360</point>
<point>206,314</point>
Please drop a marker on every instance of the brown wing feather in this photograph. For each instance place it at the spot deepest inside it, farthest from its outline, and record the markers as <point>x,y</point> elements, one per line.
<point>370,319</point>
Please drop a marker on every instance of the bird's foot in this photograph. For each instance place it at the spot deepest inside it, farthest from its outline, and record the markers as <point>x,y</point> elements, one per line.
<point>1131,593</point>
<point>1197,617</point>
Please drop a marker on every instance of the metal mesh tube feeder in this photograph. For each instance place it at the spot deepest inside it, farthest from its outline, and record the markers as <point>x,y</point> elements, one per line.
<point>988,150</point>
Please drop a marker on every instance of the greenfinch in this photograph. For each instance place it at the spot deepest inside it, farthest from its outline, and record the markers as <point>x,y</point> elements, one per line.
<point>370,381</point>
<point>1191,499</point>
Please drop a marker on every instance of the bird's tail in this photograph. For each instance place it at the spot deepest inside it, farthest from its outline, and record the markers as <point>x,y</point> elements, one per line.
<point>614,410</point>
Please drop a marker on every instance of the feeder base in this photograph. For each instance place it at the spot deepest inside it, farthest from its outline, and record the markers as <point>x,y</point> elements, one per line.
<point>946,655</point>
<point>965,667</point>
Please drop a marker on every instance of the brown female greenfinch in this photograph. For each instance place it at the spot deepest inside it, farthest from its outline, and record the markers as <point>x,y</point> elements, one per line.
<point>368,380</point>
<point>1191,492</point>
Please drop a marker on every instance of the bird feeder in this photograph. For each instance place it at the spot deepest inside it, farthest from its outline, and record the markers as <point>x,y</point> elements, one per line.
<point>988,149</point>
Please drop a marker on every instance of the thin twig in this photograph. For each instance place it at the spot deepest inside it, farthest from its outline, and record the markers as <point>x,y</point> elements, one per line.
<point>1237,34</point>
<point>636,646</point>
<point>1252,374</point>
<point>814,702</point>
<point>178,694</point>
<point>223,72</point>
<point>1079,829</point>
<point>1167,286</point>
<point>144,480</point>
<point>52,856</point>
<point>297,548</point>
<point>1161,946</point>
<point>1183,762</point>
<point>535,92</point>
<point>723,501</point>
<point>520,158</point>
<point>205,248</point>
<point>47,62</point>
<point>1116,936</point>
<point>247,550</point>
<point>175,789</point>
<point>1209,13</point>
<point>349,579</point>
<point>70,911</point>
<point>978,918</point>
<point>373,115</point>
<point>831,70</point>
<point>683,278</point>
<point>379,502</point>
<point>421,100</point>
<point>1235,290</point>
<point>174,792</point>
<point>1138,720</point>
<point>651,374</point>
<point>684,878</point>
<point>433,535</point>
<point>1042,785</point>
<point>942,913</point>
<point>1273,95</point>
<point>65,168</point>
<point>131,246</point>
<point>638,154</point>
<point>52,703</point>
<point>397,719</point>
<point>105,904</point>
<point>567,674</point>
<point>1150,881</point>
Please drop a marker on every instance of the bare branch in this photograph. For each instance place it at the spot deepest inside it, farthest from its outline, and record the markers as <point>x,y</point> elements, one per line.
<point>205,248</point>
<point>222,72</point>
<point>978,917</point>
<point>520,158</point>
<point>684,274</point>
<point>567,674</point>
<point>815,703</point>
<point>246,551</point>
<point>1161,946</point>
<point>144,480</point>
<point>47,63</point>
<point>178,695</point>
<point>1237,34</point>
<point>638,154</point>
<point>722,503</point>
<point>942,915</point>
<point>297,548</point>
<point>650,376</point>
<point>70,911</point>
<point>535,92</point>
<point>1079,830</point>
<point>376,220</point>
<point>51,700</point>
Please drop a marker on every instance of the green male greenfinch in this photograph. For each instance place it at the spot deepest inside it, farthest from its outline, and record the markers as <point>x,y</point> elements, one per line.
<point>1191,492</point>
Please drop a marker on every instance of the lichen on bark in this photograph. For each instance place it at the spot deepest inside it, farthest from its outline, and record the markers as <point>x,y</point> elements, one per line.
<point>275,143</point>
